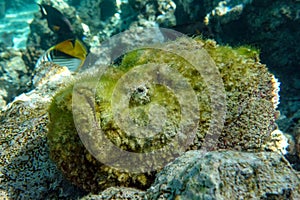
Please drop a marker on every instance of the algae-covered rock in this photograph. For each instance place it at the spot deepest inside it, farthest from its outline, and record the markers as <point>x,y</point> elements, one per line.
<point>146,104</point>
<point>226,175</point>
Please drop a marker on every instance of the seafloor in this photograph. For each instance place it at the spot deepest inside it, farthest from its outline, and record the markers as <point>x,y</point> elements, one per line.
<point>272,27</point>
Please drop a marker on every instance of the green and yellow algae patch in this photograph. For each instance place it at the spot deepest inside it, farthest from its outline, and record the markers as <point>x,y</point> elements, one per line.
<point>250,118</point>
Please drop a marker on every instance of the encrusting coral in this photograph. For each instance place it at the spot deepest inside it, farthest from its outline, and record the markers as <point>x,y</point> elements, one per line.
<point>250,101</point>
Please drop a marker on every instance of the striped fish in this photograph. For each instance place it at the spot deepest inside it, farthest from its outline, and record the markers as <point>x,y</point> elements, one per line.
<point>69,53</point>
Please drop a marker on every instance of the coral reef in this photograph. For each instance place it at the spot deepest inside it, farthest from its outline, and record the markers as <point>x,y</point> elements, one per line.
<point>123,15</point>
<point>14,76</point>
<point>117,193</point>
<point>98,20</point>
<point>103,17</point>
<point>226,175</point>
<point>26,171</point>
<point>251,100</point>
<point>96,13</point>
<point>161,12</point>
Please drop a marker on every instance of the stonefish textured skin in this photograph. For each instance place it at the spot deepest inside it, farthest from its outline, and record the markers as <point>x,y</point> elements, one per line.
<point>249,90</point>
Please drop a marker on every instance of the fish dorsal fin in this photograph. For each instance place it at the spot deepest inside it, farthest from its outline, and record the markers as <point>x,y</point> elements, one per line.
<point>73,48</point>
<point>43,11</point>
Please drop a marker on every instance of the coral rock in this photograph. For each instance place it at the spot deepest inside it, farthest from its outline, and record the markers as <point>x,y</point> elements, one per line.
<point>226,175</point>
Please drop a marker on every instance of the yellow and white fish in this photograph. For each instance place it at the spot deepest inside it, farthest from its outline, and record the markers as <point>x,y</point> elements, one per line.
<point>70,53</point>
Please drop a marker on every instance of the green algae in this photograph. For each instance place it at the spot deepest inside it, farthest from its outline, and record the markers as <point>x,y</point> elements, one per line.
<point>248,124</point>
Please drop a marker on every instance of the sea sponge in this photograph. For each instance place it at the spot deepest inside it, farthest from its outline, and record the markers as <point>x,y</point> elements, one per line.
<point>250,117</point>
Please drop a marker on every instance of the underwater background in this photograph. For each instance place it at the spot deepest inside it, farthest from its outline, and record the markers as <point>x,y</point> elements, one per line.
<point>272,27</point>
